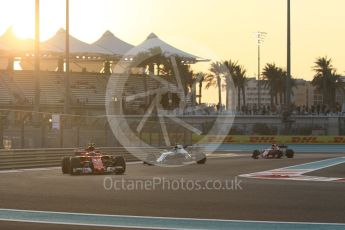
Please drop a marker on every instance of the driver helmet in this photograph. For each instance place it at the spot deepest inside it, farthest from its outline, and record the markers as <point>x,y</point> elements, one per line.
<point>91,146</point>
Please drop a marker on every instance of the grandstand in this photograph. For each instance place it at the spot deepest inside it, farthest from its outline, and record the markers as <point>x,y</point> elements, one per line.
<point>87,89</point>
<point>89,69</point>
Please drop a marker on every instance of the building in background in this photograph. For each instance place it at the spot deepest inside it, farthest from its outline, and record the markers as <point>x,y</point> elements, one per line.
<point>303,94</point>
<point>251,92</point>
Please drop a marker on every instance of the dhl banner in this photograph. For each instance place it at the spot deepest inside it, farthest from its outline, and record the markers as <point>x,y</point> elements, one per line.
<point>236,139</point>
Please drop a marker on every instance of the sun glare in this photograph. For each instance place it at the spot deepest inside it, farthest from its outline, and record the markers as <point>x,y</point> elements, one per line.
<point>24,30</point>
<point>22,17</point>
<point>20,14</point>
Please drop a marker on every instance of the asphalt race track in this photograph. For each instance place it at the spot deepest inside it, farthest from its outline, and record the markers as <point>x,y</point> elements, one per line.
<point>253,199</point>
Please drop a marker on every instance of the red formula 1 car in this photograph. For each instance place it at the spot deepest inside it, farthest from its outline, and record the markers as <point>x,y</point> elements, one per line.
<point>274,152</point>
<point>90,161</point>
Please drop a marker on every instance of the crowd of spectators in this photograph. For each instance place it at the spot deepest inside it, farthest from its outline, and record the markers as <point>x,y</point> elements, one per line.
<point>248,110</point>
<point>319,110</point>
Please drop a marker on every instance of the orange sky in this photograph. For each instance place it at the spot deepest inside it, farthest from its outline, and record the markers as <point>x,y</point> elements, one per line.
<point>220,28</point>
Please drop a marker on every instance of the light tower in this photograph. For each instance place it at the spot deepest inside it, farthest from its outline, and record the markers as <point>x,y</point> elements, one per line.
<point>288,64</point>
<point>67,85</point>
<point>260,36</point>
<point>63,120</point>
<point>37,58</point>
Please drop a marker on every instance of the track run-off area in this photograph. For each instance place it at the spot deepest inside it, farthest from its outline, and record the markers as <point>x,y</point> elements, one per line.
<point>230,191</point>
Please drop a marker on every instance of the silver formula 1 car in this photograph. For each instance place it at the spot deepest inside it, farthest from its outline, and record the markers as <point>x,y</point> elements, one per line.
<point>178,155</point>
<point>275,152</point>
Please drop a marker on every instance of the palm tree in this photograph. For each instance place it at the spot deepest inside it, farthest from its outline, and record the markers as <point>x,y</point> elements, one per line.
<point>231,78</point>
<point>186,74</point>
<point>156,63</point>
<point>235,74</point>
<point>242,82</point>
<point>200,78</point>
<point>323,69</point>
<point>274,81</point>
<point>187,79</point>
<point>327,80</point>
<point>270,74</point>
<point>215,80</point>
<point>151,58</point>
<point>282,82</point>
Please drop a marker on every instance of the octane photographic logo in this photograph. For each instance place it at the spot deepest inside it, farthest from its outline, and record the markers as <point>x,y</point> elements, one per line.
<point>165,184</point>
<point>151,102</point>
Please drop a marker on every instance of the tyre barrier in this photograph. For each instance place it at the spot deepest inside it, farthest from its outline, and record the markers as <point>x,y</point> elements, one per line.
<point>37,158</point>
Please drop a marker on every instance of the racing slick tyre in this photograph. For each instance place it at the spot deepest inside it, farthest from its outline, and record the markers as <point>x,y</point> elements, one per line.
<point>65,165</point>
<point>289,153</point>
<point>256,154</point>
<point>201,159</point>
<point>120,165</point>
<point>279,154</point>
<point>107,161</point>
<point>150,159</point>
<point>74,163</point>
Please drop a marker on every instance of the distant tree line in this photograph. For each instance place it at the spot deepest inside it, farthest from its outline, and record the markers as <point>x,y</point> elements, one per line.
<point>326,80</point>
<point>231,77</point>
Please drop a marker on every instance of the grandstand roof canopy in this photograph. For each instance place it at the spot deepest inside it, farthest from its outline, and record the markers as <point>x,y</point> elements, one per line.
<point>57,44</point>
<point>10,42</point>
<point>153,41</point>
<point>111,43</point>
<point>107,45</point>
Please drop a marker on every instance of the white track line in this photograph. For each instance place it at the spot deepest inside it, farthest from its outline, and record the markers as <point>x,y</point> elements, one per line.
<point>289,173</point>
<point>28,170</point>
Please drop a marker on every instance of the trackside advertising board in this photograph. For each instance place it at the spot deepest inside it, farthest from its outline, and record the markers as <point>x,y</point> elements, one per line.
<point>236,139</point>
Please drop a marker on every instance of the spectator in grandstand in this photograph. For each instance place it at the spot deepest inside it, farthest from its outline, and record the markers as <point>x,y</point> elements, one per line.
<point>107,68</point>
<point>318,108</point>
<point>255,110</point>
<point>60,67</point>
<point>10,65</point>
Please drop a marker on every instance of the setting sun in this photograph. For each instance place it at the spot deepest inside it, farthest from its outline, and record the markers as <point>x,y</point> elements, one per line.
<point>20,18</point>
<point>22,31</point>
